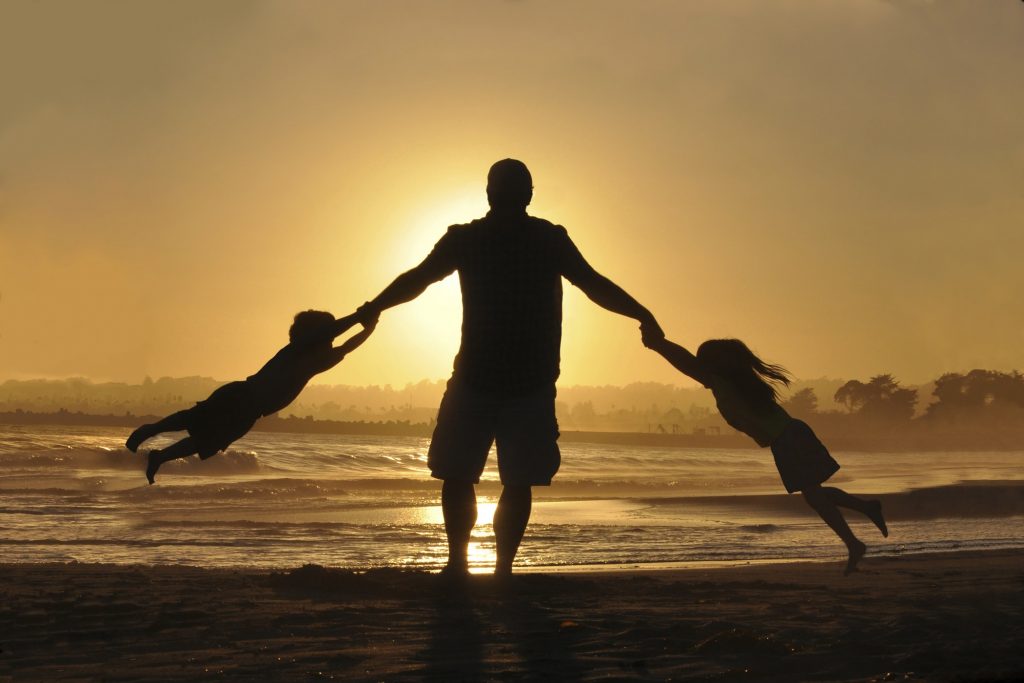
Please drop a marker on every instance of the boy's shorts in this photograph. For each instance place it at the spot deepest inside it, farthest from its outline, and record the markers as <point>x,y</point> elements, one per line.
<point>469,421</point>
<point>223,418</point>
<point>802,460</point>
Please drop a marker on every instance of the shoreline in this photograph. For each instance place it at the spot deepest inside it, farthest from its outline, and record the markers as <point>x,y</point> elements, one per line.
<point>948,616</point>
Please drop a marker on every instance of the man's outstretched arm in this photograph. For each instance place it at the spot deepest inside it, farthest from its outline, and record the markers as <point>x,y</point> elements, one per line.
<point>610,296</point>
<point>409,284</point>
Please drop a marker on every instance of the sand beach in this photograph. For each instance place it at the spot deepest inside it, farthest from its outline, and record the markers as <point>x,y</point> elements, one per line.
<point>955,616</point>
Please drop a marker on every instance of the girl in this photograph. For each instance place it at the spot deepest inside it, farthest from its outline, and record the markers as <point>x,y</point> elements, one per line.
<point>745,392</point>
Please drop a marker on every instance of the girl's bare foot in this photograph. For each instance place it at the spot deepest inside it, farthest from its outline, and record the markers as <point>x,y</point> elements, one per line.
<point>856,553</point>
<point>875,515</point>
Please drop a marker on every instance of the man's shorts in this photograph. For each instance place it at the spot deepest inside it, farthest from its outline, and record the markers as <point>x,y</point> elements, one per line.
<point>469,421</point>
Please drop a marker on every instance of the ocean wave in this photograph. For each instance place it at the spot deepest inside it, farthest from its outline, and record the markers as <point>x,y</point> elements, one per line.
<point>103,458</point>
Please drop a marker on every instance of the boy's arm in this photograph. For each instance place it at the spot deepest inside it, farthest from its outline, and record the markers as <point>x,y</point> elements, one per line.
<point>338,353</point>
<point>342,325</point>
<point>681,359</point>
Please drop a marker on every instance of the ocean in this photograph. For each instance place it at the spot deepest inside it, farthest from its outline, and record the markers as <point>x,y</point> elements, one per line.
<point>284,500</point>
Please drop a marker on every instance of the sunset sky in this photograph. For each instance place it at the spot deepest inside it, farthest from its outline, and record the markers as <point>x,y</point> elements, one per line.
<point>841,184</point>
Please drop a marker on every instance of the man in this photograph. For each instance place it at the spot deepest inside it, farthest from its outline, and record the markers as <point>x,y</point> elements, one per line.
<point>502,388</point>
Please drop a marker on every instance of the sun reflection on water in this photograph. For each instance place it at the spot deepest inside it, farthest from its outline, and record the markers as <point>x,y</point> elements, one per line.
<point>481,545</point>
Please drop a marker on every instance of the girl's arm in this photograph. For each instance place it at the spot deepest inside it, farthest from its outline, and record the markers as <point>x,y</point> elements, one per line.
<point>682,360</point>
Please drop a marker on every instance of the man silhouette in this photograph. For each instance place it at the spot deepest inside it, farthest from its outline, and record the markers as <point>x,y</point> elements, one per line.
<point>502,388</point>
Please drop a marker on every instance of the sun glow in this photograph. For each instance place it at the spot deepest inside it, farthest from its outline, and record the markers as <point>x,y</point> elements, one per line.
<point>429,219</point>
<point>481,549</point>
<point>428,328</point>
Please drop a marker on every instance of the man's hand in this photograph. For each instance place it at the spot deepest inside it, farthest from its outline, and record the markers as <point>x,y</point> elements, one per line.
<point>367,315</point>
<point>651,333</point>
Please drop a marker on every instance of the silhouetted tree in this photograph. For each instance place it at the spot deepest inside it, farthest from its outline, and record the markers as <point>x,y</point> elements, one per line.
<point>881,398</point>
<point>803,403</point>
<point>977,392</point>
<point>853,395</point>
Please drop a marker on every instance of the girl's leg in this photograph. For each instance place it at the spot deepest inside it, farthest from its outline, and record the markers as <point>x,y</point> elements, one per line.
<point>871,508</point>
<point>181,449</point>
<point>821,503</point>
<point>177,422</point>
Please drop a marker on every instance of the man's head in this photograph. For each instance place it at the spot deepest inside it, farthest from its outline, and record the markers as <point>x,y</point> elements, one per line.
<point>509,185</point>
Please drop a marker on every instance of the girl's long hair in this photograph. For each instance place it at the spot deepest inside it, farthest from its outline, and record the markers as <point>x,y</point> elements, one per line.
<point>733,360</point>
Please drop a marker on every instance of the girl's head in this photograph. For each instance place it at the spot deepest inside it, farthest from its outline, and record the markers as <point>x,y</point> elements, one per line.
<point>310,326</point>
<point>731,359</point>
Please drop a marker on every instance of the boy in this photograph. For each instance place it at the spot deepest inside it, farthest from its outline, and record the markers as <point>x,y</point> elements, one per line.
<point>231,410</point>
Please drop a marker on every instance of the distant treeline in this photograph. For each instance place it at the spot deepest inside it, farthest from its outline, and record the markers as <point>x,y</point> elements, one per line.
<point>975,410</point>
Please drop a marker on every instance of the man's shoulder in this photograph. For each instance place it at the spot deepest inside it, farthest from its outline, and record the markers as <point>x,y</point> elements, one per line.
<point>546,225</point>
<point>458,230</point>
<point>484,229</point>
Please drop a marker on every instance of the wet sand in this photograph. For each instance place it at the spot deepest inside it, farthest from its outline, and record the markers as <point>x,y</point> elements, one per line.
<point>957,616</point>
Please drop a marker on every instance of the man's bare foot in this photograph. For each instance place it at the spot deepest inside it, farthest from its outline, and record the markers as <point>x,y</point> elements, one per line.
<point>875,515</point>
<point>856,553</point>
<point>455,570</point>
<point>152,465</point>
<point>136,438</point>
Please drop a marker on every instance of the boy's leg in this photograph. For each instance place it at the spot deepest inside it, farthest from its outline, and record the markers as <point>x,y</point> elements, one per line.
<point>821,503</point>
<point>871,508</point>
<point>181,449</point>
<point>510,520</point>
<point>458,503</point>
<point>176,422</point>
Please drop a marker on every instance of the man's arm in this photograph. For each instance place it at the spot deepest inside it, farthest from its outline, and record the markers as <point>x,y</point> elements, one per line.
<point>609,295</point>
<point>410,284</point>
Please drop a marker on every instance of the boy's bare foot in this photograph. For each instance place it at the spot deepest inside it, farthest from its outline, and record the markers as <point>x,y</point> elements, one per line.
<point>875,515</point>
<point>152,465</point>
<point>856,553</point>
<point>136,439</point>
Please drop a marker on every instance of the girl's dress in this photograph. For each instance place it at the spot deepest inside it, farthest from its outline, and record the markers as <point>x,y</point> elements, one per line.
<point>800,457</point>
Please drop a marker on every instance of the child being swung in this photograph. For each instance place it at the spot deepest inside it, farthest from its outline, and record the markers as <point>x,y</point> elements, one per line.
<point>232,410</point>
<point>744,390</point>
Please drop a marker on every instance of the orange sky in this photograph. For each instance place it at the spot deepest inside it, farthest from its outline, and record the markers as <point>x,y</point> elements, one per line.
<point>837,183</point>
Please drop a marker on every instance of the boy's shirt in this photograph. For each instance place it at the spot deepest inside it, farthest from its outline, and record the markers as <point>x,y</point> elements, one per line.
<point>283,377</point>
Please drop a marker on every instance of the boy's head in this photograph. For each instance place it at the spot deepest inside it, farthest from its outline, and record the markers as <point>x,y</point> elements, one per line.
<point>310,326</point>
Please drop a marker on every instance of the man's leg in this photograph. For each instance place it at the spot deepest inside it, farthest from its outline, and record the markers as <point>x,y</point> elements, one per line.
<point>510,520</point>
<point>458,503</point>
